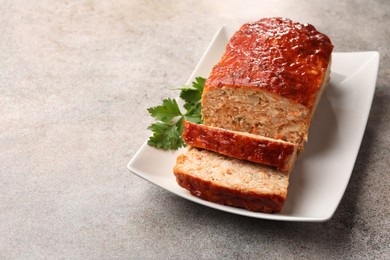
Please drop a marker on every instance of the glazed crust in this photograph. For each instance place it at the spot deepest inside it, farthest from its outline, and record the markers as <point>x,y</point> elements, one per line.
<point>277,55</point>
<point>266,151</point>
<point>207,190</point>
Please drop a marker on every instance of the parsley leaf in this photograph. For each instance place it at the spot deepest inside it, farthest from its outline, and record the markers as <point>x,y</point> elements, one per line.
<point>192,95</point>
<point>194,113</point>
<point>166,112</point>
<point>168,128</point>
<point>165,136</point>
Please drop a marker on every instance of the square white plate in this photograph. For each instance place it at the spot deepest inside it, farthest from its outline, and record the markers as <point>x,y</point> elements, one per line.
<point>323,170</point>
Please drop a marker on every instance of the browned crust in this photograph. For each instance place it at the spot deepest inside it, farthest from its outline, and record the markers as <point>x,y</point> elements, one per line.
<point>266,203</point>
<point>278,55</point>
<point>269,152</point>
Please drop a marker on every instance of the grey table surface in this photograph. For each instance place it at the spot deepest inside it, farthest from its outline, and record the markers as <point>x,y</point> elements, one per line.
<point>76,78</point>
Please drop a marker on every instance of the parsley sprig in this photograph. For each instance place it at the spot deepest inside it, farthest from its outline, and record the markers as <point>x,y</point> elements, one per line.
<point>168,128</point>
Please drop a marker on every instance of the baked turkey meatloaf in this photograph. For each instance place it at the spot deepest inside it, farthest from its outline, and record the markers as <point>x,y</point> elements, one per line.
<point>228,181</point>
<point>269,80</point>
<point>240,145</point>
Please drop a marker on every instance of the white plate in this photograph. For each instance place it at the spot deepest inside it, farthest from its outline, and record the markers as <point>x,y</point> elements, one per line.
<point>323,170</point>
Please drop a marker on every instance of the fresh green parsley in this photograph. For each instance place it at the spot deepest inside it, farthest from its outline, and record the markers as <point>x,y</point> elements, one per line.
<point>168,128</point>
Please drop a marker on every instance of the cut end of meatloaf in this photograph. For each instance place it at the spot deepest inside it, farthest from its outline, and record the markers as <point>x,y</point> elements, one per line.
<point>240,145</point>
<point>269,80</point>
<point>257,112</point>
<point>232,182</point>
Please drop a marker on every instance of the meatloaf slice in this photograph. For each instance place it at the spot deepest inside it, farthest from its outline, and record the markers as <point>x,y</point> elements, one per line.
<point>269,80</point>
<point>240,145</point>
<point>224,180</point>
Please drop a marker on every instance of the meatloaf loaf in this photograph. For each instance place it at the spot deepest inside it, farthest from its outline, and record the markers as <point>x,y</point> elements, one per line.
<point>240,145</point>
<point>269,80</point>
<point>225,180</point>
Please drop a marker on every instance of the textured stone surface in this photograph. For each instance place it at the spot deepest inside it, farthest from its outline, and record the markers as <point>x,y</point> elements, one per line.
<point>76,78</point>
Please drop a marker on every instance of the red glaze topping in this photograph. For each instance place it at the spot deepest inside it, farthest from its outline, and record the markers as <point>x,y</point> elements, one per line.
<point>278,55</point>
<point>272,153</point>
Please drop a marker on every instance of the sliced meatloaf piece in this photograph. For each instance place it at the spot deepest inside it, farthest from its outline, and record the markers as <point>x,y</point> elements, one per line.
<point>228,181</point>
<point>240,145</point>
<point>269,80</point>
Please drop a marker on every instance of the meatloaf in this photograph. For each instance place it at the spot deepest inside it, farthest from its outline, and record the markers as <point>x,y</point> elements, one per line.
<point>269,80</point>
<point>228,181</point>
<point>240,145</point>
<point>268,83</point>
